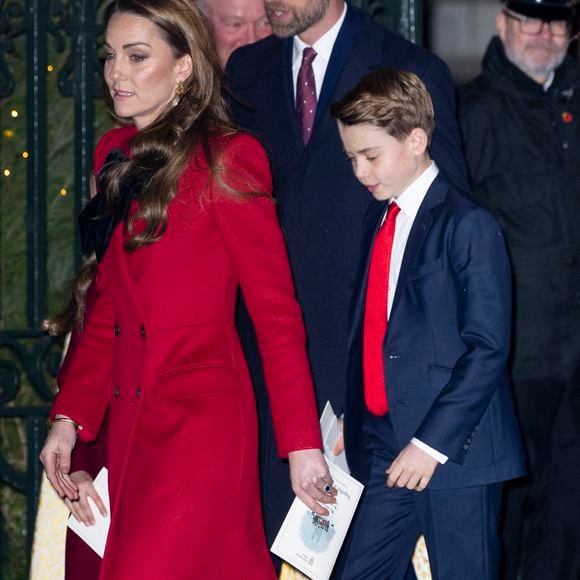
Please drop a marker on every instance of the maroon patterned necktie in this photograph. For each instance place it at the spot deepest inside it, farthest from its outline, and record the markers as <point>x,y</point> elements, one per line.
<point>306,94</point>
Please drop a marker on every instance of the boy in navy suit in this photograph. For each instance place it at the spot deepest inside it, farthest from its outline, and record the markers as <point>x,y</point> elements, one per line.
<point>429,422</point>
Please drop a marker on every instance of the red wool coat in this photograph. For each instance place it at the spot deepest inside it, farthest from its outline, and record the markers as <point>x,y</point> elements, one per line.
<point>161,353</point>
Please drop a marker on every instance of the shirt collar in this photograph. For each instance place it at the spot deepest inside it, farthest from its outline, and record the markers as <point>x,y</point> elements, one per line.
<point>324,45</point>
<point>411,199</point>
<point>549,81</point>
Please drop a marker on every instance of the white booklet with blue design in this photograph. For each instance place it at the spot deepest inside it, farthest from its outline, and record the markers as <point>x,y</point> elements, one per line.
<point>310,542</point>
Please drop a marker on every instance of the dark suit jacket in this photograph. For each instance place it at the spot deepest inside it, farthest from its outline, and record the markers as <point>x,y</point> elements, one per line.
<point>447,344</point>
<point>321,205</point>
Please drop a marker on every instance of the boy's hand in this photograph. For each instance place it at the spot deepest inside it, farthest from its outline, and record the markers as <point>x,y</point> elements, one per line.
<point>413,469</point>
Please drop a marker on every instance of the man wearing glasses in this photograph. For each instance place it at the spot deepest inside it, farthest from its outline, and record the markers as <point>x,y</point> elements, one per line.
<point>521,128</point>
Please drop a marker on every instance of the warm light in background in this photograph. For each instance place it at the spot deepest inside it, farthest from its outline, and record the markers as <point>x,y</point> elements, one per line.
<point>25,154</point>
<point>50,68</point>
<point>63,192</point>
<point>9,133</point>
<point>14,113</point>
<point>7,173</point>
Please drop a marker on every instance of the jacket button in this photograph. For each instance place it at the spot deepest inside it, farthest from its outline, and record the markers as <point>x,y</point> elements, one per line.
<point>117,392</point>
<point>143,331</point>
<point>138,392</point>
<point>117,330</point>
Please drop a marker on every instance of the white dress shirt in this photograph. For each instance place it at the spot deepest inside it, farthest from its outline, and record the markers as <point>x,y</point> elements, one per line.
<point>323,47</point>
<point>409,202</point>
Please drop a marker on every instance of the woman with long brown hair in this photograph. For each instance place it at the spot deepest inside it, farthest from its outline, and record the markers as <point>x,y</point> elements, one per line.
<point>182,219</point>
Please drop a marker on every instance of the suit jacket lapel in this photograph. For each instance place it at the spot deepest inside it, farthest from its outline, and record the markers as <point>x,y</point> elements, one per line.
<point>270,96</point>
<point>340,52</point>
<point>354,53</point>
<point>288,91</point>
<point>373,223</point>
<point>423,221</point>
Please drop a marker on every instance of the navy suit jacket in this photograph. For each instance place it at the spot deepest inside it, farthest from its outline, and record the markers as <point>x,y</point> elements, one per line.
<point>447,345</point>
<point>321,205</point>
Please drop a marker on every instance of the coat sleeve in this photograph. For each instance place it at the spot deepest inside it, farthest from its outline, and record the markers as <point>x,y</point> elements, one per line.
<point>86,371</point>
<point>253,239</point>
<point>481,268</point>
<point>477,126</point>
<point>489,163</point>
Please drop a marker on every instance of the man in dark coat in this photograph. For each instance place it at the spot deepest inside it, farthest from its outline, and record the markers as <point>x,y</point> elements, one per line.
<point>521,127</point>
<point>321,204</point>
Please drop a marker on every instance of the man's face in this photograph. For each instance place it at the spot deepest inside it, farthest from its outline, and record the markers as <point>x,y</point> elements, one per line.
<point>237,23</point>
<point>535,55</point>
<point>291,17</point>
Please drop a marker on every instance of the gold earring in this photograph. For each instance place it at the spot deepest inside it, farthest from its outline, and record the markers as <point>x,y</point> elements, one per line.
<point>179,90</point>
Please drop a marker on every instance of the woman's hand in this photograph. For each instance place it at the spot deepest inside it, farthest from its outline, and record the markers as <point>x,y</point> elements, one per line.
<point>311,481</point>
<point>55,456</point>
<point>80,508</point>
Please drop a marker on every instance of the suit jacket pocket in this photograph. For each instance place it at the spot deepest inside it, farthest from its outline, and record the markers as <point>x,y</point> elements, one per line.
<point>195,380</point>
<point>422,270</point>
<point>439,376</point>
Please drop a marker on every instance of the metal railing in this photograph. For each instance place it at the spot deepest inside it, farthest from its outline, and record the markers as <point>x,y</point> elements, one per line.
<point>30,31</point>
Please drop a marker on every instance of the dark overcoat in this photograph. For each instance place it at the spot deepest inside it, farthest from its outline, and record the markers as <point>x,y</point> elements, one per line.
<point>522,146</point>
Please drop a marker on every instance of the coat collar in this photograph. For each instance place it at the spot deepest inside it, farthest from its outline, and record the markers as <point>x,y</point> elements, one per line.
<point>506,76</point>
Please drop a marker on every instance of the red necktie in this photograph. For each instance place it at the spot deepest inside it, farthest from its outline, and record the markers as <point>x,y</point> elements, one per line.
<point>375,319</point>
<point>306,94</point>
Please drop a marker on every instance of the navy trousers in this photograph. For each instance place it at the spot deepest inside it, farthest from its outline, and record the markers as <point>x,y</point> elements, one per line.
<point>460,525</point>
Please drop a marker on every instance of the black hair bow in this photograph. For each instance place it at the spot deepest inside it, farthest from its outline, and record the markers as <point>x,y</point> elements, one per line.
<point>99,218</point>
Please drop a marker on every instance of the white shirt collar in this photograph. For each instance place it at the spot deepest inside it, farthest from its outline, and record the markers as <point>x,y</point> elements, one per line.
<point>411,199</point>
<point>323,46</point>
<point>549,81</point>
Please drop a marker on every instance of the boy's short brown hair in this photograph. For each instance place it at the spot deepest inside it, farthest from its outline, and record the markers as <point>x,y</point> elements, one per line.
<point>395,100</point>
